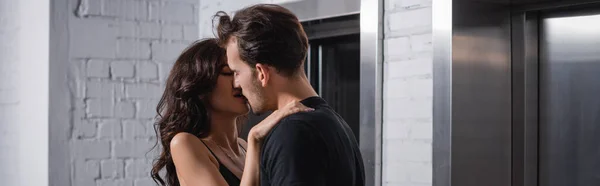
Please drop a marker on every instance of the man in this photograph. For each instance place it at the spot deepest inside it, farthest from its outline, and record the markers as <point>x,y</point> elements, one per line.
<point>266,47</point>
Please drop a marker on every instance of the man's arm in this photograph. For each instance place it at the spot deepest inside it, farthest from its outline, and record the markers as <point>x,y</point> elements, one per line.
<point>295,155</point>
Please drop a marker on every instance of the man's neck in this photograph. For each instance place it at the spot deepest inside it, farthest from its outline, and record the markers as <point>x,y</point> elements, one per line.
<point>295,90</point>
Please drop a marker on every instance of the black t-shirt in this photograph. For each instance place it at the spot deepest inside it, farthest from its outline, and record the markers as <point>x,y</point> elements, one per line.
<point>312,148</point>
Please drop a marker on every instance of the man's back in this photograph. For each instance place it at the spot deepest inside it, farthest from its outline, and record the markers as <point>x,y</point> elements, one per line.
<point>312,148</point>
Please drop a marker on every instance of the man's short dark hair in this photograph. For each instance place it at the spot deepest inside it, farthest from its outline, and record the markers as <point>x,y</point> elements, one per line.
<point>267,34</point>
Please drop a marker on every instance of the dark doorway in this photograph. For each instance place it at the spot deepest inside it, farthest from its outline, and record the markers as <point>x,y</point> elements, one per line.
<point>335,75</point>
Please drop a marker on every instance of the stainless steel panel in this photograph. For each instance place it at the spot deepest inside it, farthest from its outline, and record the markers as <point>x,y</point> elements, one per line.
<point>481,94</point>
<point>318,9</point>
<point>543,5</point>
<point>371,63</point>
<point>525,99</point>
<point>442,92</point>
<point>332,27</point>
<point>308,64</point>
<point>569,99</point>
<point>320,62</point>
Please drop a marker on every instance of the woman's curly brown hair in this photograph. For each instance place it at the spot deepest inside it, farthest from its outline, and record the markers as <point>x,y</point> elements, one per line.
<point>181,108</point>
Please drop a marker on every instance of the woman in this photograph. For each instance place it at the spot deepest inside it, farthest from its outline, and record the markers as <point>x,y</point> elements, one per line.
<point>197,118</point>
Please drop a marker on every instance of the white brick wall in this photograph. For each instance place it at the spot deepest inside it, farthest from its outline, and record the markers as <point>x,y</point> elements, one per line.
<point>408,93</point>
<point>120,53</point>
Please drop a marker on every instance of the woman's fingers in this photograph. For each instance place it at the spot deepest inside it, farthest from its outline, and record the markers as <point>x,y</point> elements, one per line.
<point>294,107</point>
<point>300,108</point>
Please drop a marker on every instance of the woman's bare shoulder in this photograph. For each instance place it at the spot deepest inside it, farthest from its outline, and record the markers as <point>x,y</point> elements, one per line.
<point>186,145</point>
<point>183,139</point>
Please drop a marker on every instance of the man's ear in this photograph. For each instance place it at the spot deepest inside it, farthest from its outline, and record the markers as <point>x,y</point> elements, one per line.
<point>263,75</point>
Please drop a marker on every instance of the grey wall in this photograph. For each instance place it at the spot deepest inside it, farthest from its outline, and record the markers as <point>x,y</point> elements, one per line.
<point>60,102</point>
<point>9,74</point>
<point>24,65</point>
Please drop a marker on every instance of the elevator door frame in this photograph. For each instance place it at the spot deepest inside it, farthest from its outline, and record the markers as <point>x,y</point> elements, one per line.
<point>371,80</point>
<point>522,16</point>
<point>525,27</point>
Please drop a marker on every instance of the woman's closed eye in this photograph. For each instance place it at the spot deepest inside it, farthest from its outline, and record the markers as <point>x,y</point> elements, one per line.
<point>226,71</point>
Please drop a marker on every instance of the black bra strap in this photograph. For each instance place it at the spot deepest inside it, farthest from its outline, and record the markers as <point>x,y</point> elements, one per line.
<point>214,153</point>
<point>209,150</point>
<point>242,147</point>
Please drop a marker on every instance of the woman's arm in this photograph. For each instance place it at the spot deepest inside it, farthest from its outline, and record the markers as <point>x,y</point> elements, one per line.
<point>193,162</point>
<point>252,166</point>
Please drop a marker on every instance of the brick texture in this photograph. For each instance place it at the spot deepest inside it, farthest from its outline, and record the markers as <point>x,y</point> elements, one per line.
<point>408,93</point>
<point>120,51</point>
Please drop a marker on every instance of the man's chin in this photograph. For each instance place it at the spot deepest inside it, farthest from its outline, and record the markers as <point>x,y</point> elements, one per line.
<point>256,111</point>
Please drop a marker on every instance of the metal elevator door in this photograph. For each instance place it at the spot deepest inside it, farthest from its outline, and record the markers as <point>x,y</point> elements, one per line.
<point>569,99</point>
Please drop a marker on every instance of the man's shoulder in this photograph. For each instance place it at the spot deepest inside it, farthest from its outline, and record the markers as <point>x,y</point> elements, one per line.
<point>299,125</point>
<point>293,124</point>
<point>323,114</point>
